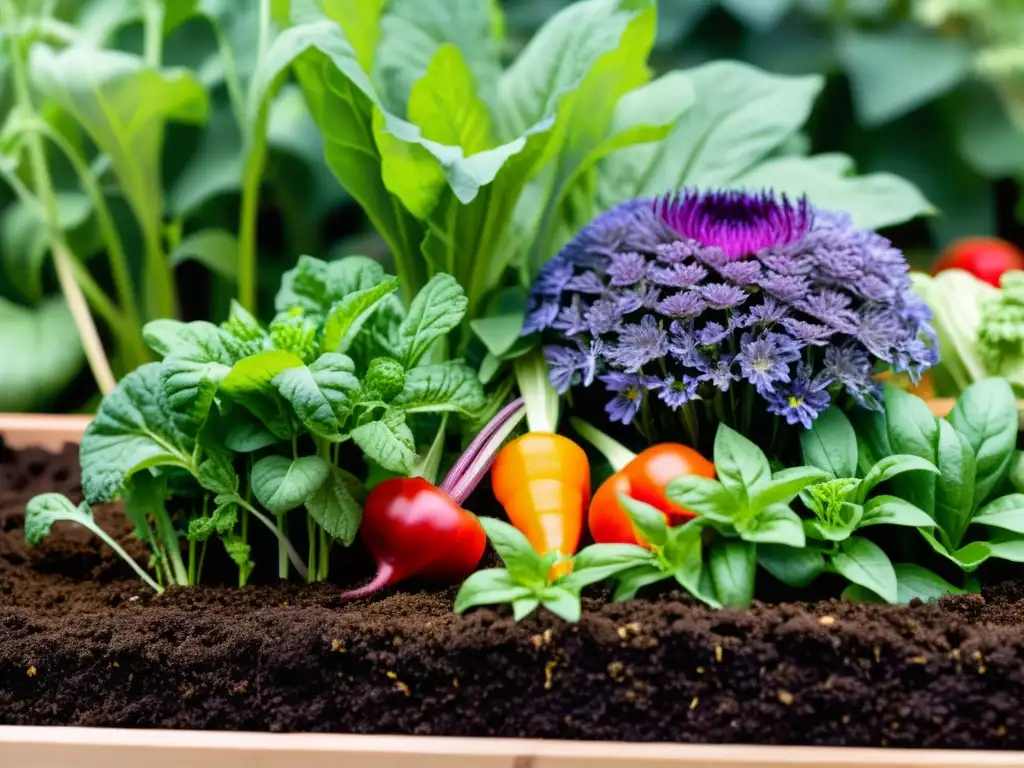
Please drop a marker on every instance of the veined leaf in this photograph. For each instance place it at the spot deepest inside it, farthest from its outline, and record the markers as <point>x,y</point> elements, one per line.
<point>281,484</point>
<point>435,311</point>
<point>348,315</point>
<point>134,429</point>
<point>388,441</point>
<point>250,384</point>
<point>444,387</point>
<point>335,505</point>
<point>321,393</point>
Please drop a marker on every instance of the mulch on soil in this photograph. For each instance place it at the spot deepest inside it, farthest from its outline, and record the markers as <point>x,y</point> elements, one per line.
<point>83,643</point>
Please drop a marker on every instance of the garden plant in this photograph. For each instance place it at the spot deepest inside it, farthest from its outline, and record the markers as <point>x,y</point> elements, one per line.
<point>612,421</point>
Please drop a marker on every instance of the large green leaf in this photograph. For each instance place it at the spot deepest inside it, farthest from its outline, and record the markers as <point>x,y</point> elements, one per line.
<point>412,31</point>
<point>123,104</point>
<point>134,429</point>
<point>322,394</point>
<point>40,352</point>
<point>335,505</point>
<point>443,387</point>
<point>281,484</point>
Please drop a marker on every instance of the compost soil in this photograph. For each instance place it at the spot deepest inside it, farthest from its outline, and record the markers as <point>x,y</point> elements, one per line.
<point>84,643</point>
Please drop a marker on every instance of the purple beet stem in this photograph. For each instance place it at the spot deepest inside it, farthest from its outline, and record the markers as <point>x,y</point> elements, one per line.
<point>470,455</point>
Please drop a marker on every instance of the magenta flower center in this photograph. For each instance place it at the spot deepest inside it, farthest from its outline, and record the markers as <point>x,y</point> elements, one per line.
<point>740,223</point>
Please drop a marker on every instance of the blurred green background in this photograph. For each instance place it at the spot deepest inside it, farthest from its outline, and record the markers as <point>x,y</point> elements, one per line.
<point>932,90</point>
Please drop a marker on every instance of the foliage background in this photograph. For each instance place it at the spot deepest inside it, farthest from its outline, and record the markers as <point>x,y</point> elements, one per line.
<point>928,89</point>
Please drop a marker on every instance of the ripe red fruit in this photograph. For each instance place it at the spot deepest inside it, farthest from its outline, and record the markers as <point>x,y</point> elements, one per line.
<point>987,258</point>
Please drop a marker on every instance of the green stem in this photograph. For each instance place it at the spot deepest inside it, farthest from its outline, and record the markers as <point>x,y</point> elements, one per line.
<point>325,554</point>
<point>290,553</point>
<point>311,576</point>
<point>282,556</point>
<point>105,537</point>
<point>202,559</point>
<point>158,275</point>
<point>191,562</point>
<point>169,538</point>
<point>615,452</point>
<point>540,397</point>
<point>153,31</point>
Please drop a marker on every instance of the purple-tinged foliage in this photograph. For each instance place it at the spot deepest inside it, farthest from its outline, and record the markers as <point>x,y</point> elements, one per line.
<point>728,298</point>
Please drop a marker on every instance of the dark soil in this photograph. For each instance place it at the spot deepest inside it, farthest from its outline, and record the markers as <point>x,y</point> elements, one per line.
<point>82,643</point>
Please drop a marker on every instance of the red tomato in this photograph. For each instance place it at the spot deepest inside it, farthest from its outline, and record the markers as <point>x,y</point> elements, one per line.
<point>645,478</point>
<point>987,258</point>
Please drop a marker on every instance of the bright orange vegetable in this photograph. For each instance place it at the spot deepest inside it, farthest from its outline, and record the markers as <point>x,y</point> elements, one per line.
<point>543,482</point>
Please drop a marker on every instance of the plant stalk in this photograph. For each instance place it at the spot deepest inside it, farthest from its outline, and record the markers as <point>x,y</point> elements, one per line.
<point>165,531</point>
<point>106,538</point>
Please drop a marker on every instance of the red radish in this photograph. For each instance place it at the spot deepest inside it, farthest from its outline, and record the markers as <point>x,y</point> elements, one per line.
<point>987,258</point>
<point>414,528</point>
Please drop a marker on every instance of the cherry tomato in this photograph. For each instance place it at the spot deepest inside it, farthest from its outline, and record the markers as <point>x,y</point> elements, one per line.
<point>987,258</point>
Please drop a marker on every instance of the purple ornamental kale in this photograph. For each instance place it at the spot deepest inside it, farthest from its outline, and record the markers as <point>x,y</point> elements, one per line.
<point>697,296</point>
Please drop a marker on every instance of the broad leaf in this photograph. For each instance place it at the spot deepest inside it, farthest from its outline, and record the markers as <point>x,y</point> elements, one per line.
<point>215,249</point>
<point>831,444</point>
<point>563,603</point>
<point>796,567</point>
<point>348,315</point>
<point>986,415</point>
<point>733,565</point>
<point>786,484</point>
<point>912,429</point>
<point>520,558</point>
<point>954,487</point>
<point>887,468</point>
<point>388,441</point>
<point>250,384</point>
<point>444,387</point>
<point>281,484</point>
<point>335,505</point>
<point>134,429</point>
<point>913,581</point>
<point>890,510</point>
<point>777,524</point>
<point>864,563</point>
<point>1006,512</point>
<point>706,497</point>
<point>49,508</point>
<point>322,393</point>
<point>489,587</point>
<point>740,465</point>
<point>649,522</point>
<point>435,311</point>
<point>41,353</point>
<point>599,562</point>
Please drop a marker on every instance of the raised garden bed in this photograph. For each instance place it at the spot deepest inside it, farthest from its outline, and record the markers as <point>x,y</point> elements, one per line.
<point>83,643</point>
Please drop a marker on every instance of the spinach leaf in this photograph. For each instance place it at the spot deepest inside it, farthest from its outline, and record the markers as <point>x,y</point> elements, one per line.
<point>388,441</point>
<point>323,394</point>
<point>793,566</point>
<point>733,564</point>
<point>831,444</point>
<point>985,414</point>
<point>444,387</point>
<point>912,429</point>
<point>435,311</point>
<point>864,563</point>
<point>281,484</point>
<point>335,505</point>
<point>741,466</point>
<point>954,497</point>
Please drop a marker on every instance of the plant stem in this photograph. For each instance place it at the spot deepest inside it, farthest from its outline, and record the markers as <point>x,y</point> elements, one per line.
<point>153,41</point>
<point>169,537</point>
<point>191,562</point>
<point>311,559</point>
<point>325,554</point>
<point>292,555</point>
<point>127,558</point>
<point>540,397</point>
<point>282,556</point>
<point>202,559</point>
<point>615,452</point>
<point>94,353</point>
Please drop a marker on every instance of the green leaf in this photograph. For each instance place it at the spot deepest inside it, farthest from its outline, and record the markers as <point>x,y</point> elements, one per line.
<point>706,497</point>
<point>388,441</point>
<point>524,607</point>
<point>524,563</point>
<point>872,438</point>
<point>489,587</point>
<point>761,15</point>
<point>986,414</point>
<point>41,351</point>
<point>123,104</point>
<point>968,557</point>
<point>776,524</point>
<point>786,484</point>
<point>347,316</point>
<point>912,429</point>
<point>435,311</point>
<point>740,465</point>
<point>628,583</point>
<point>733,567</point>
<point>1006,512</point>
<point>215,249</point>
<point>335,505</point>
<point>929,65</point>
<point>48,508</point>
<point>217,474</point>
<point>281,484</point>
<point>1007,548</point>
<point>502,324</point>
<point>451,386</point>
<point>322,393</point>
<point>246,435</point>
<point>863,562</point>
<point>793,566</point>
<point>134,429</point>
<point>873,201</point>
<point>649,522</point>
<point>250,384</point>
<point>913,581</point>
<point>144,494</point>
<point>839,530</point>
<point>413,34</point>
<point>739,116</point>
<point>887,468</point>
<point>315,285</point>
<point>599,562</point>
<point>563,603</point>
<point>954,488</point>
<point>831,444</point>
<point>890,510</point>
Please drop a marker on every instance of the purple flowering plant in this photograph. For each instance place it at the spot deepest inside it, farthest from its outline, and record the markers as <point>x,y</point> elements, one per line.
<point>747,309</point>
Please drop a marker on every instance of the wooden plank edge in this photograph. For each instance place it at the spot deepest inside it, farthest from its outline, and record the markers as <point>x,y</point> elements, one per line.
<point>37,430</point>
<point>92,748</point>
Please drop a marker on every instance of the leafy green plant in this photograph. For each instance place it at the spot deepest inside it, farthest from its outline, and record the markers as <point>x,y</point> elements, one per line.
<point>259,421</point>
<point>973,449</point>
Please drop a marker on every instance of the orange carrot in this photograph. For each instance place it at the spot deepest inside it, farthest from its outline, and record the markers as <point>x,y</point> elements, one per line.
<point>543,482</point>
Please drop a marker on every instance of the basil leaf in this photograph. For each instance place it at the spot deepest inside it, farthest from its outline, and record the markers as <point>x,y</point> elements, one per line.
<point>968,557</point>
<point>787,483</point>
<point>872,438</point>
<point>451,386</point>
<point>347,316</point>
<point>1006,512</point>
<point>649,522</point>
<point>778,524</point>
<point>520,558</point>
<point>1007,548</point>
<point>322,393</point>
<point>864,563</point>
<point>628,583</point>
<point>890,510</point>
<point>913,581</point>
<point>599,562</point>
<point>436,310</point>
<point>793,566</point>
<point>889,467</point>
<point>217,474</point>
<point>741,466</point>
<point>831,444</point>
<point>250,384</point>
<point>523,607</point>
<point>954,496</point>
<point>134,429</point>
<point>686,553</point>
<point>986,415</point>
<point>281,484</point>
<point>563,603</point>
<point>733,565</point>
<point>388,442</point>
<point>703,496</point>
<point>489,587</point>
<point>912,429</point>
<point>335,505</point>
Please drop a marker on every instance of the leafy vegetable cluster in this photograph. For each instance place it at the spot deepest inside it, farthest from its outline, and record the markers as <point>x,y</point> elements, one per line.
<point>248,420</point>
